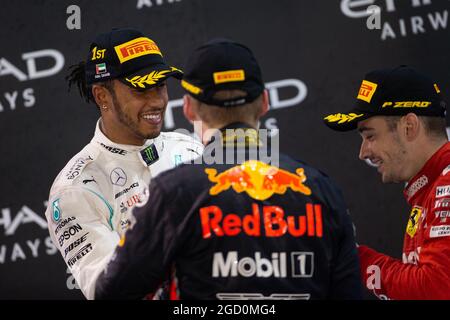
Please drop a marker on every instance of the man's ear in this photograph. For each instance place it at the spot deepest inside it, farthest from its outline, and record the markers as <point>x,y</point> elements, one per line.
<point>411,126</point>
<point>188,108</point>
<point>266,106</point>
<point>102,96</point>
<point>265,103</point>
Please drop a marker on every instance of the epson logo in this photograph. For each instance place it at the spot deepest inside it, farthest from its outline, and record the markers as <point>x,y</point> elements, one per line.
<point>73,230</point>
<point>114,150</point>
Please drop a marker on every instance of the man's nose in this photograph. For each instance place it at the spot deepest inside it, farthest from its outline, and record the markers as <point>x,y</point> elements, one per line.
<point>155,97</point>
<point>363,151</point>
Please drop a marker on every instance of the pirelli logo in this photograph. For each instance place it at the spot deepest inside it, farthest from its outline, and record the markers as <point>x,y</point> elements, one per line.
<point>190,87</point>
<point>366,91</point>
<point>136,48</point>
<point>229,76</point>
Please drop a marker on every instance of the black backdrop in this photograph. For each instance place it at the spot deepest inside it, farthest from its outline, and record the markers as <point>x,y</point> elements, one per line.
<point>313,54</point>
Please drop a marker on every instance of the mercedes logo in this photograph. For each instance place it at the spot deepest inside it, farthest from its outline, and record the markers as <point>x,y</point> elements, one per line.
<point>118,177</point>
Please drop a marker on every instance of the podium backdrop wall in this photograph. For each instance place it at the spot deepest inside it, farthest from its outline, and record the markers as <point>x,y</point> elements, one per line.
<point>313,55</point>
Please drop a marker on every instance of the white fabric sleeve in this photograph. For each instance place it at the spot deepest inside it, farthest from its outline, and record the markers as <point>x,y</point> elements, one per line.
<point>80,225</point>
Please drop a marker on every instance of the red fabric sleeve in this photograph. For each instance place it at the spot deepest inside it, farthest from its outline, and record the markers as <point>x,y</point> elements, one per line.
<point>429,279</point>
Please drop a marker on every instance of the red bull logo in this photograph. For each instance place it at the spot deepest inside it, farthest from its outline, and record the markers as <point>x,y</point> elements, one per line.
<point>274,222</point>
<point>258,179</point>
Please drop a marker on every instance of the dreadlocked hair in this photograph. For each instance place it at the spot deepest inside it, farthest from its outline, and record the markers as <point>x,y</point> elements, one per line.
<point>77,76</point>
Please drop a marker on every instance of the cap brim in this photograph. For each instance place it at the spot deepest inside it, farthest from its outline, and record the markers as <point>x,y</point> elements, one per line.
<point>149,77</point>
<point>345,121</point>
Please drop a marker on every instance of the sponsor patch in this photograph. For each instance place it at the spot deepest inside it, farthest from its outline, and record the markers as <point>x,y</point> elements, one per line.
<point>366,91</point>
<point>272,222</point>
<point>440,231</point>
<point>442,191</point>
<point>190,87</point>
<point>123,208</point>
<point>149,154</point>
<point>68,233</point>
<point>118,177</point>
<point>134,185</point>
<point>124,223</point>
<point>56,215</point>
<point>133,200</point>
<point>114,150</point>
<point>416,186</point>
<point>76,168</point>
<point>86,181</point>
<point>75,244</point>
<point>63,223</point>
<point>136,48</point>
<point>274,265</point>
<point>442,203</point>
<point>258,179</point>
<point>406,104</point>
<point>413,221</point>
<point>443,215</point>
<point>80,254</point>
<point>229,76</point>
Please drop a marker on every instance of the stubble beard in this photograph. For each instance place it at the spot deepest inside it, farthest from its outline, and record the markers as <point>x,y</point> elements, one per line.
<point>132,125</point>
<point>398,161</point>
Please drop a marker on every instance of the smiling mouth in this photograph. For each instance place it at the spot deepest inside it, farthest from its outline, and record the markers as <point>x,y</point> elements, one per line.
<point>376,162</point>
<point>153,118</point>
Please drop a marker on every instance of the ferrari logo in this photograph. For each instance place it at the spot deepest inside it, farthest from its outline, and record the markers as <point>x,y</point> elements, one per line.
<point>413,221</point>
